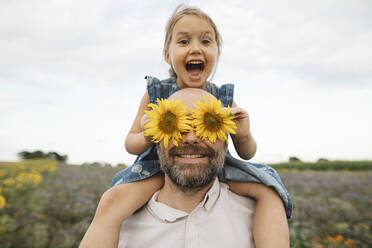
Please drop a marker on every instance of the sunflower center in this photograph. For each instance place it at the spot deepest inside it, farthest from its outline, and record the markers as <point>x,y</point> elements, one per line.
<point>212,122</point>
<point>168,123</point>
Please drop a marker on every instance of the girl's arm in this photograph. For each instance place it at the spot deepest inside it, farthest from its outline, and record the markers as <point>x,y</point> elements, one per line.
<point>115,205</point>
<point>244,143</point>
<point>135,142</point>
<point>270,226</point>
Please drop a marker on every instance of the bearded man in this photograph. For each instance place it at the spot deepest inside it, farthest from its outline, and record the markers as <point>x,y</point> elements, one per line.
<point>192,209</point>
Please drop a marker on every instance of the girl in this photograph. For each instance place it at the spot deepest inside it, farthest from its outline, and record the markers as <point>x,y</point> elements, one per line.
<point>192,48</point>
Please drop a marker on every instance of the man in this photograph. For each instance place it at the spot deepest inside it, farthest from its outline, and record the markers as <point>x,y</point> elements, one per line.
<point>192,209</point>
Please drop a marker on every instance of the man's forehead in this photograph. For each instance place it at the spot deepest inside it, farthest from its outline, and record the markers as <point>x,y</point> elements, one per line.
<point>190,95</point>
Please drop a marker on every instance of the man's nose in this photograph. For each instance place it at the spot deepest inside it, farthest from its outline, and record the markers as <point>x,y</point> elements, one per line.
<point>191,139</point>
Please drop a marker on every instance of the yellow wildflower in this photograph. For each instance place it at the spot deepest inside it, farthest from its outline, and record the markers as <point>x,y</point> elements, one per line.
<point>36,178</point>
<point>51,168</point>
<point>9,182</point>
<point>2,201</point>
<point>19,185</point>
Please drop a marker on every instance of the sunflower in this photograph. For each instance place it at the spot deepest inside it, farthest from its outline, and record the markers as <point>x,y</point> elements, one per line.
<point>211,120</point>
<point>168,120</point>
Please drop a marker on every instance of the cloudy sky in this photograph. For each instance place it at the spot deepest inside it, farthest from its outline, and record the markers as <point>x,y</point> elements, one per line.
<point>71,74</point>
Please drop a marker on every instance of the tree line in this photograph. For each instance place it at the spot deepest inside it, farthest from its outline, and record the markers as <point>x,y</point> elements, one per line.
<point>39,154</point>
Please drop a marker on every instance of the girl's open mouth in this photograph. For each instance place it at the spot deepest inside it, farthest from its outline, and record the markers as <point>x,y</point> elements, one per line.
<point>195,69</point>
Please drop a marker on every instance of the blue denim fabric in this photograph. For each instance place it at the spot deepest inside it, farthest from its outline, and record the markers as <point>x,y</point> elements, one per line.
<point>147,164</point>
<point>163,89</point>
<point>240,170</point>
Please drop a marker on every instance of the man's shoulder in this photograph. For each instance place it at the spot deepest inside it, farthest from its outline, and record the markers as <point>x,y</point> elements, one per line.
<point>237,201</point>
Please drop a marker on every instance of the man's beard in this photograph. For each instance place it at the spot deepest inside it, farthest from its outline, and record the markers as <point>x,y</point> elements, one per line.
<point>192,176</point>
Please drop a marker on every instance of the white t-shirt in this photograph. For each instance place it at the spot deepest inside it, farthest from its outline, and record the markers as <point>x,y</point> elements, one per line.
<point>222,219</point>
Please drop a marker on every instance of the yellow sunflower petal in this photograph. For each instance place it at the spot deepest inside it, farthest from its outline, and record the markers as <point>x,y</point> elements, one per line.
<point>168,119</point>
<point>211,120</point>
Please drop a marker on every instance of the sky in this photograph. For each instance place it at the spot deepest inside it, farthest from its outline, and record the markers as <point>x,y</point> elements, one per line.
<point>72,74</point>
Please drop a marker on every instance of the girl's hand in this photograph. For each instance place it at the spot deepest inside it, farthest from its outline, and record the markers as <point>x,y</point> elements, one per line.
<point>244,143</point>
<point>242,122</point>
<point>145,119</point>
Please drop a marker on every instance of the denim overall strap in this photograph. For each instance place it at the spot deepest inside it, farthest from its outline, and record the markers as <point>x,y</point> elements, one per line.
<point>165,88</point>
<point>225,93</point>
<point>160,89</point>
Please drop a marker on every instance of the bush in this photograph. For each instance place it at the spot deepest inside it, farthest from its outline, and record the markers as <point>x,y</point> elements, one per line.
<point>294,160</point>
<point>39,154</point>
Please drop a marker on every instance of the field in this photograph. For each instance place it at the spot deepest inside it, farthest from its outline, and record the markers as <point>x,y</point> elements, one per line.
<point>45,204</point>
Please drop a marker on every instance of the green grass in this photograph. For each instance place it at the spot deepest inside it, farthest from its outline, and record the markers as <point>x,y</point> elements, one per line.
<point>58,211</point>
<point>325,165</point>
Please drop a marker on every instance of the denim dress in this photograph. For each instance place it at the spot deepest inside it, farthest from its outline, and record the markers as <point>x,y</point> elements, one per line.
<point>147,164</point>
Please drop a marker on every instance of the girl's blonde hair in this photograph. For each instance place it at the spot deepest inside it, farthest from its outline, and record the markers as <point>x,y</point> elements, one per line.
<point>181,11</point>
